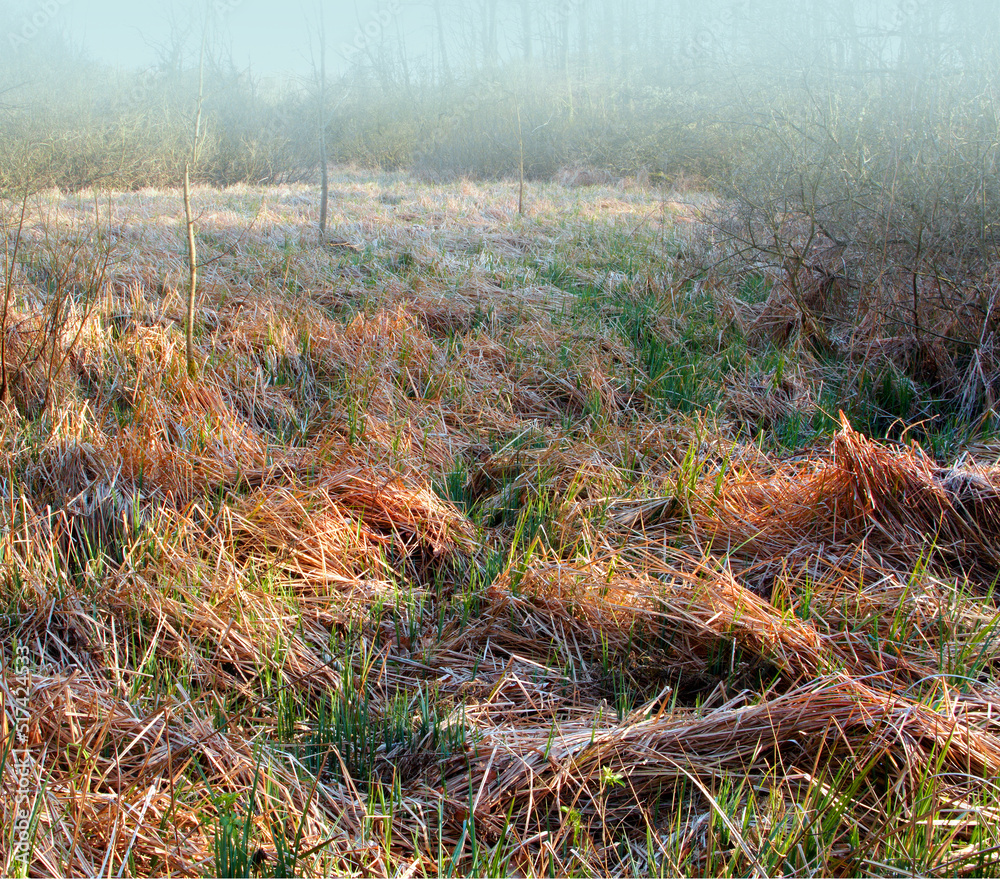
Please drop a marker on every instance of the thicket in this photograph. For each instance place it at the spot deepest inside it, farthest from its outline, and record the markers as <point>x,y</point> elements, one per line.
<point>89,126</point>
<point>869,206</point>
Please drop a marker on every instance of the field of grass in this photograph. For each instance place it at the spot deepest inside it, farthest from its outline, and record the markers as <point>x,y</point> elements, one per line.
<point>480,545</point>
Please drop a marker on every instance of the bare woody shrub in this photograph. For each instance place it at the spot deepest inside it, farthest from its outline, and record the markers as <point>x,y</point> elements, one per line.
<point>874,202</point>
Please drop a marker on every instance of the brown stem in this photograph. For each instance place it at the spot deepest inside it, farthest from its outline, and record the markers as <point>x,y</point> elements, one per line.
<point>8,288</point>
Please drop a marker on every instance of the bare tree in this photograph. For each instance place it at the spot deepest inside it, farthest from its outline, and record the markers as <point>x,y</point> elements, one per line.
<point>583,35</point>
<point>527,33</point>
<point>490,48</point>
<point>520,160</point>
<point>564,56</point>
<point>324,170</point>
<point>442,42</point>
<point>11,261</point>
<point>609,34</point>
<point>192,366</point>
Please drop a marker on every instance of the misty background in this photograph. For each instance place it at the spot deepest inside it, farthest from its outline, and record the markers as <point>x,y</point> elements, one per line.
<point>103,92</point>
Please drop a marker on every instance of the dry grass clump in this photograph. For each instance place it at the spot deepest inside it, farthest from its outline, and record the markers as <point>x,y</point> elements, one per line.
<point>419,577</point>
<point>121,782</point>
<point>775,321</point>
<point>879,506</point>
<point>758,402</point>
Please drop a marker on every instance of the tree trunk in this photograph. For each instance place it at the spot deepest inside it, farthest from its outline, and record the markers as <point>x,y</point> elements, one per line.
<point>527,36</point>
<point>490,52</point>
<point>324,170</point>
<point>192,366</point>
<point>583,35</point>
<point>442,42</point>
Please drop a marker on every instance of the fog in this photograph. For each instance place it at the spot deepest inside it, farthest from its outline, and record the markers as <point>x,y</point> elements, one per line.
<point>105,90</point>
<point>275,38</point>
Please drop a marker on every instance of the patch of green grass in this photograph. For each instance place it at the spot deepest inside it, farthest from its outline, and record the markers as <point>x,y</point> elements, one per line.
<point>454,487</point>
<point>754,289</point>
<point>364,737</point>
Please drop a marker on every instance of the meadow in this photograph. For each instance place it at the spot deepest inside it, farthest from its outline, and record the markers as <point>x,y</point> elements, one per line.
<point>481,544</point>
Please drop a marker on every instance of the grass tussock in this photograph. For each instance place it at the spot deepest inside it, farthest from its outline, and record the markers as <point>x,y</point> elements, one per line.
<point>481,545</point>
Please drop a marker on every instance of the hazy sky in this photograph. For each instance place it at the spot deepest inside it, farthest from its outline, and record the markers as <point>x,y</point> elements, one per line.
<point>271,34</point>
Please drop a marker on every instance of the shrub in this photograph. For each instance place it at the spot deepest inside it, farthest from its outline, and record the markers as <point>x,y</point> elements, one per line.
<point>875,200</point>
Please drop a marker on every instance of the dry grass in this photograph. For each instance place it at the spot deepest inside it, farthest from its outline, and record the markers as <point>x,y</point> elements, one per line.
<point>417,578</point>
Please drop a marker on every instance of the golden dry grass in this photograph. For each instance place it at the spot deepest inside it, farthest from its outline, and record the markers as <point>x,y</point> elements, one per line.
<point>415,578</point>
